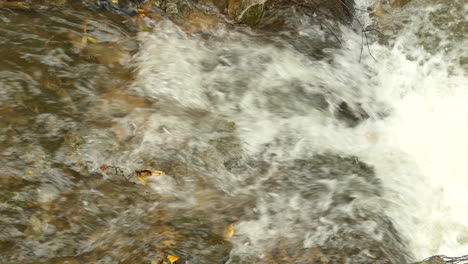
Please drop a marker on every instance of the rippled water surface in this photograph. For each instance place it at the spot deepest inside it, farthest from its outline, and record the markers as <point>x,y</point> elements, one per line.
<point>271,153</point>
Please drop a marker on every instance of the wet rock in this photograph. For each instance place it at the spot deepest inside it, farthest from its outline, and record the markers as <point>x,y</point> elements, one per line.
<point>288,17</point>
<point>171,7</point>
<point>432,260</point>
<point>37,226</point>
<point>225,126</point>
<point>351,116</point>
<point>379,10</point>
<point>198,21</point>
<point>246,11</point>
<point>220,4</point>
<point>229,146</point>
<point>398,3</point>
<point>280,15</point>
<point>176,8</point>
<point>340,10</point>
<point>382,8</point>
<point>339,213</point>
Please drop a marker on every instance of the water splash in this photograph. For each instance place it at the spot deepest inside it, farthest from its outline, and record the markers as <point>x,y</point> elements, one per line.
<point>414,94</point>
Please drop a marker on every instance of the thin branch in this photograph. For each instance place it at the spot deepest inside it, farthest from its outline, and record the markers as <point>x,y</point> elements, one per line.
<point>352,12</point>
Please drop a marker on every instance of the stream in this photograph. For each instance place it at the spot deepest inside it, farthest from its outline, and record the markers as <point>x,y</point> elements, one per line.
<point>265,146</point>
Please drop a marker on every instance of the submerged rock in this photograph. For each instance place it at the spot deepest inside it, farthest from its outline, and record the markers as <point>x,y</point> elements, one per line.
<point>432,260</point>
<point>107,54</point>
<point>220,4</point>
<point>326,209</point>
<point>398,3</point>
<point>381,8</point>
<point>198,21</point>
<point>441,259</point>
<point>351,116</point>
<point>286,14</point>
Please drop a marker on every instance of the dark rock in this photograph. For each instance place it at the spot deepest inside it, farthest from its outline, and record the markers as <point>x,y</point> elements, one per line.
<point>351,116</point>
<point>295,20</point>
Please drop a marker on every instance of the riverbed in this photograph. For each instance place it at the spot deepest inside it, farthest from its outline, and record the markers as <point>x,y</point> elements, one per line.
<point>340,144</point>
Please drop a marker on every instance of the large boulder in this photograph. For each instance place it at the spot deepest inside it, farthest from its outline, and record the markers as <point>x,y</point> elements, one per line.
<point>339,216</point>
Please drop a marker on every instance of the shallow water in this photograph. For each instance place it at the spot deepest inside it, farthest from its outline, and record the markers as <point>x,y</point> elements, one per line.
<point>251,131</point>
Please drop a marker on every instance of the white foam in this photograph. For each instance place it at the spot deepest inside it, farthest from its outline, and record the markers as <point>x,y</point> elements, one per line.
<point>421,155</point>
<point>418,150</point>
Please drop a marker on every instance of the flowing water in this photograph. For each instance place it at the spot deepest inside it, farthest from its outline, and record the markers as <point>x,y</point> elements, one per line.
<point>355,155</point>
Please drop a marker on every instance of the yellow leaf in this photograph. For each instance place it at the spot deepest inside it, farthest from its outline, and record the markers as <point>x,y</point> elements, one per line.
<point>154,262</point>
<point>156,172</point>
<point>20,3</point>
<point>92,40</point>
<point>30,172</point>
<point>172,259</point>
<point>142,179</point>
<point>115,1</point>
<point>229,231</point>
<point>140,10</point>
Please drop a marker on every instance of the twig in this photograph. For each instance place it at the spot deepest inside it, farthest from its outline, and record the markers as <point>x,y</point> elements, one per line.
<point>353,15</point>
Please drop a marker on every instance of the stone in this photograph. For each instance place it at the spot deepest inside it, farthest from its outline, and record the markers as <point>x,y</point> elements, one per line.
<point>349,237</point>
<point>171,8</point>
<point>248,12</point>
<point>352,116</point>
<point>432,260</point>
<point>398,3</point>
<point>340,10</point>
